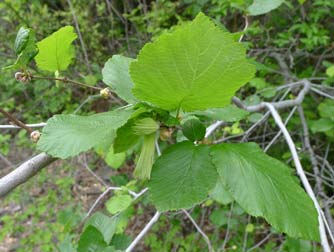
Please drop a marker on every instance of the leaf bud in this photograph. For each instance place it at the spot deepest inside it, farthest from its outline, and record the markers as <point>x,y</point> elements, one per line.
<point>23,77</point>
<point>165,133</point>
<point>105,93</point>
<point>35,135</point>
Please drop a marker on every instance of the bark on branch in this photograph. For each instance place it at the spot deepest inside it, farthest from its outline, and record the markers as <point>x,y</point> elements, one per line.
<point>22,173</point>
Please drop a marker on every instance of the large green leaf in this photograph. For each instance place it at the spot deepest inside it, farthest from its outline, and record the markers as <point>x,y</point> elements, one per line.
<point>182,177</point>
<point>260,7</point>
<point>196,67</point>
<point>116,75</point>
<point>68,135</point>
<point>56,51</point>
<point>264,187</point>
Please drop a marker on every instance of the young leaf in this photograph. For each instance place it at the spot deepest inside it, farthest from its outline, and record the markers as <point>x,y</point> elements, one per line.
<point>182,177</point>
<point>105,224</point>
<point>260,7</point>
<point>56,51</point>
<point>264,187</point>
<point>118,203</point>
<point>67,135</point>
<point>21,40</point>
<point>196,67</point>
<point>193,129</point>
<point>116,75</point>
<point>114,160</point>
<point>25,48</point>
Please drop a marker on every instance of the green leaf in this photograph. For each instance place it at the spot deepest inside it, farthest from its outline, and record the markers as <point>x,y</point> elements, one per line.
<point>198,66</point>
<point>182,177</point>
<point>326,109</point>
<point>118,203</point>
<point>258,83</point>
<point>121,241</point>
<point>116,75</point>
<point>229,113</point>
<point>260,7</point>
<point>91,240</point>
<point>56,51</point>
<point>114,160</point>
<point>21,40</point>
<point>264,187</point>
<point>125,138</point>
<point>105,224</point>
<point>220,194</point>
<point>25,48</point>
<point>66,244</point>
<point>330,71</point>
<point>67,135</point>
<point>193,129</point>
<point>321,125</point>
<point>219,217</point>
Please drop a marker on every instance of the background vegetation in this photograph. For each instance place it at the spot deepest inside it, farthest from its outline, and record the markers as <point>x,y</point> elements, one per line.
<point>292,42</point>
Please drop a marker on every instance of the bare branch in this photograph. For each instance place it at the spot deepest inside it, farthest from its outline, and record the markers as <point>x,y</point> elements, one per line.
<point>301,174</point>
<point>206,238</point>
<point>34,125</point>
<point>142,233</point>
<point>277,105</point>
<point>24,172</point>
<point>15,121</point>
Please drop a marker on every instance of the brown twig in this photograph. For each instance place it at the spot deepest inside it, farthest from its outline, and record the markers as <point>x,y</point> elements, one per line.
<point>16,121</point>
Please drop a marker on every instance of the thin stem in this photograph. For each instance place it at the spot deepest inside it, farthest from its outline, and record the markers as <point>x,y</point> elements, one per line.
<point>16,121</point>
<point>142,233</point>
<point>66,80</point>
<point>34,125</point>
<point>206,238</point>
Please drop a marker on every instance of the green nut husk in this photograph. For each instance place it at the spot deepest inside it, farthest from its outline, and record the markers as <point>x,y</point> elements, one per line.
<point>145,126</point>
<point>146,158</point>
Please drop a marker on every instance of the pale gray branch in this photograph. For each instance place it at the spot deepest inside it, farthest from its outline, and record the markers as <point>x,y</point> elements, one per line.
<point>22,173</point>
<point>277,105</point>
<point>34,125</point>
<point>142,233</point>
<point>301,174</point>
